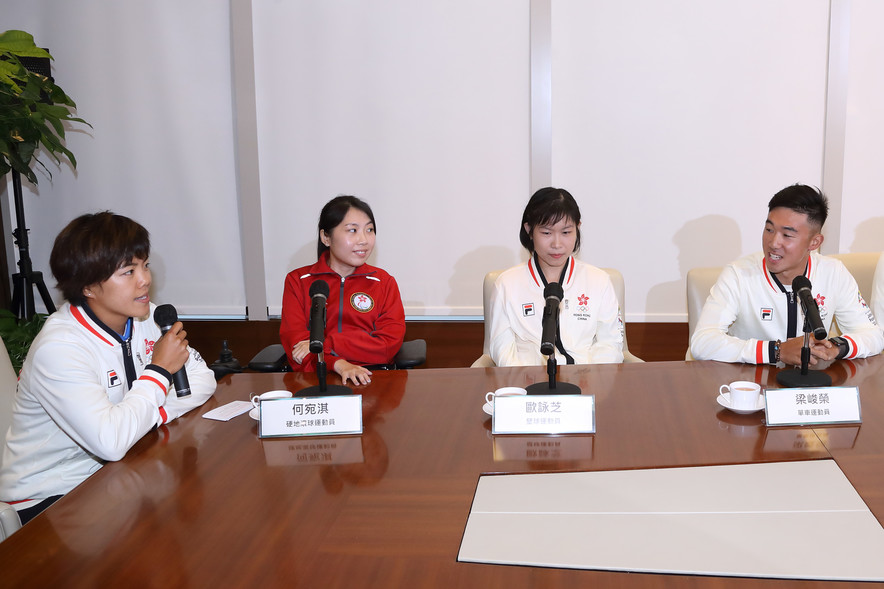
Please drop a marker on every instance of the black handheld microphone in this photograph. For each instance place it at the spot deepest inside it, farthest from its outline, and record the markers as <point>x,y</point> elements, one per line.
<point>801,287</point>
<point>166,316</point>
<point>553,294</point>
<point>319,296</point>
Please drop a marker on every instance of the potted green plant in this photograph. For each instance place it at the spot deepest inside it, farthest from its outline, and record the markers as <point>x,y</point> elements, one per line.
<point>33,109</point>
<point>33,112</point>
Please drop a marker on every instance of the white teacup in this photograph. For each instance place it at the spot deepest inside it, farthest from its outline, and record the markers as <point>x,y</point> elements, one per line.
<point>504,392</point>
<point>743,394</point>
<point>256,399</point>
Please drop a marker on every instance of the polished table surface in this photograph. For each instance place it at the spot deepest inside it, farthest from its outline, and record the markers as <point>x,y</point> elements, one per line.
<point>204,503</point>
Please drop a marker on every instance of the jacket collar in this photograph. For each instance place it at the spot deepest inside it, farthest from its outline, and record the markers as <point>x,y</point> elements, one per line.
<point>774,283</point>
<point>541,281</point>
<point>90,321</point>
<point>321,267</point>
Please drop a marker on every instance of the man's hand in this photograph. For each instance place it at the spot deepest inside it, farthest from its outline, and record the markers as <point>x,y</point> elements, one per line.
<point>790,351</point>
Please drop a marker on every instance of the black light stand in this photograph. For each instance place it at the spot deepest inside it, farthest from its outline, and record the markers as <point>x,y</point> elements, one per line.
<point>552,387</point>
<point>802,377</point>
<point>24,281</point>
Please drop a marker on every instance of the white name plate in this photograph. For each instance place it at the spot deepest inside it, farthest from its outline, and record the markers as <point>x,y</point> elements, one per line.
<point>812,406</point>
<point>544,414</point>
<point>310,416</point>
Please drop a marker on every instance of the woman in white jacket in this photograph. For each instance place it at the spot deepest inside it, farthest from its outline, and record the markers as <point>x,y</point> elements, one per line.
<point>99,374</point>
<point>590,329</point>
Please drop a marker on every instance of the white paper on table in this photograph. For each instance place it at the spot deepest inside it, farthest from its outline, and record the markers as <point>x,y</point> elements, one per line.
<point>229,411</point>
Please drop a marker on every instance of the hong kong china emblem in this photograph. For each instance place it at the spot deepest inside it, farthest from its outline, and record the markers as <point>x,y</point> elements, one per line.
<point>362,302</point>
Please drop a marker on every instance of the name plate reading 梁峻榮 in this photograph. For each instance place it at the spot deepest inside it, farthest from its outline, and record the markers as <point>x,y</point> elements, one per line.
<point>812,406</point>
<point>544,414</point>
<point>310,416</point>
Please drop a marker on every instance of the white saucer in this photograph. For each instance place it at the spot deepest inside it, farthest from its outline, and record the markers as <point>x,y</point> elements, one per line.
<point>254,414</point>
<point>487,408</point>
<point>725,401</point>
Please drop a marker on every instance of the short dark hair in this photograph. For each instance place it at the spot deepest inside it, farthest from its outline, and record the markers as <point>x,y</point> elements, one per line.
<point>548,206</point>
<point>91,248</point>
<point>333,214</point>
<point>804,199</point>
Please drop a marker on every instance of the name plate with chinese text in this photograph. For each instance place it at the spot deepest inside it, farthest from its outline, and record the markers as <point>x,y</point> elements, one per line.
<point>812,406</point>
<point>544,414</point>
<point>310,416</point>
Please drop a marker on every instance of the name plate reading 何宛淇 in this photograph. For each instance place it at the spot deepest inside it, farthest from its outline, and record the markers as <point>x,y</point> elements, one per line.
<point>310,416</point>
<point>812,406</point>
<point>544,414</point>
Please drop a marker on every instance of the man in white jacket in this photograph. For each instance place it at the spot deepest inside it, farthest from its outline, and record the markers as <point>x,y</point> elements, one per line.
<point>99,374</point>
<point>753,316</point>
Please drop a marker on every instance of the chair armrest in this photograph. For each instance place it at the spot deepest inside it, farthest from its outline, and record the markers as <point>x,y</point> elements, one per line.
<point>483,361</point>
<point>412,353</point>
<point>270,359</point>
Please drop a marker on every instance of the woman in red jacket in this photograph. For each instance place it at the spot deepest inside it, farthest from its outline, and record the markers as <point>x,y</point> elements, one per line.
<point>365,320</point>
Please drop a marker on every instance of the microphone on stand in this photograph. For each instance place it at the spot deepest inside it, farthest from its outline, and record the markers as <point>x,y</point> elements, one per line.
<point>319,297</point>
<point>801,287</point>
<point>802,377</point>
<point>166,316</point>
<point>553,293</point>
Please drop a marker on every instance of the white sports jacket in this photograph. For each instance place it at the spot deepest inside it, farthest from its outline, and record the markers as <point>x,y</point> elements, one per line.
<point>85,397</point>
<point>748,310</point>
<point>590,327</point>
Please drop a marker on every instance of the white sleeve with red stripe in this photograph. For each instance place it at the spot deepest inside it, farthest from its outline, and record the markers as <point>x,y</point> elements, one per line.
<point>202,386</point>
<point>711,341</point>
<point>71,390</point>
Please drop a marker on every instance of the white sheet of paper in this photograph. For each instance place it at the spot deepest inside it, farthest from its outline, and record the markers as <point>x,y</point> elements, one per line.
<point>229,411</point>
<point>795,520</point>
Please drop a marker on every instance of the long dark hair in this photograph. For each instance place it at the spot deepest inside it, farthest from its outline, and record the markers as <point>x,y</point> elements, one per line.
<point>333,214</point>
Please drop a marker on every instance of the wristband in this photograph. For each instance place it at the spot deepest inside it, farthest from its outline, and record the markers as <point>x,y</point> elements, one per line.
<point>776,354</point>
<point>843,346</point>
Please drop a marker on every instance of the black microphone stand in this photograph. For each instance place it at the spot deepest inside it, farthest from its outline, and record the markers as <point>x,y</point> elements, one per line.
<point>552,387</point>
<point>803,377</point>
<point>323,389</point>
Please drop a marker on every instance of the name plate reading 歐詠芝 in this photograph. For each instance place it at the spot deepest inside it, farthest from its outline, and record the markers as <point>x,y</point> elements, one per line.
<point>310,416</point>
<point>812,406</point>
<point>544,414</point>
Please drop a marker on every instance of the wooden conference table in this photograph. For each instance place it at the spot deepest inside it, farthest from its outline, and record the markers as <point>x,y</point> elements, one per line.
<point>203,503</point>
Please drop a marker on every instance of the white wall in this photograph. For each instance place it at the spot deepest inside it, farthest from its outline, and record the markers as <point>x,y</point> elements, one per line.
<point>672,123</point>
<point>863,208</point>
<point>153,79</point>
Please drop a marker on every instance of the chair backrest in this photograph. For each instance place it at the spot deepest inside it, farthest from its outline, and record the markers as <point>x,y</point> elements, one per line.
<point>699,282</point>
<point>488,287</point>
<point>9,521</point>
<point>8,382</point>
<point>862,266</point>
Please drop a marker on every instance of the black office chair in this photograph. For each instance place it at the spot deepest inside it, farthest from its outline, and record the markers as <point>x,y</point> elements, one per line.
<point>273,358</point>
